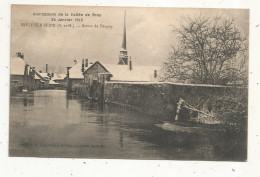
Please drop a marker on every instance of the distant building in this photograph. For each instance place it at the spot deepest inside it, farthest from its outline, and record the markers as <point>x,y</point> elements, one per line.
<point>40,82</point>
<point>60,79</point>
<point>47,77</point>
<point>121,73</point>
<point>133,74</point>
<point>98,73</point>
<point>75,73</point>
<point>22,75</point>
<point>93,76</point>
<point>53,84</point>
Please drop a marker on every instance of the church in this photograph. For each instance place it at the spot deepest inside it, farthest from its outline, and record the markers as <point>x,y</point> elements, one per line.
<point>122,71</point>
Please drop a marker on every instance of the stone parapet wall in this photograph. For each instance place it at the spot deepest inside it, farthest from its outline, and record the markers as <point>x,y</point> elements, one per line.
<point>161,99</point>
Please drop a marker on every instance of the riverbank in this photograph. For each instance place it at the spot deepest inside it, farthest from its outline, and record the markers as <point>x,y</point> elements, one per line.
<point>50,123</point>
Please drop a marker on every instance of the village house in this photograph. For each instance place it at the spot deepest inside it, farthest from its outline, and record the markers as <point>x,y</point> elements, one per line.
<point>47,78</point>
<point>96,75</point>
<point>40,82</point>
<point>75,74</point>
<point>22,75</point>
<point>60,80</point>
<point>53,85</point>
<point>121,73</point>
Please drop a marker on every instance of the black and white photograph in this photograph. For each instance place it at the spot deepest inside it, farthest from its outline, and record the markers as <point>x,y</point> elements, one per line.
<point>142,83</point>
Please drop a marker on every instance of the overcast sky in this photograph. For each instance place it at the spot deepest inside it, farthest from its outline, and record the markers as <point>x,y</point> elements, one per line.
<point>149,35</point>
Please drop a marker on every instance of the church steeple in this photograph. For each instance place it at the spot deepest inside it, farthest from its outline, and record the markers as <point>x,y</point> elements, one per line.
<point>124,37</point>
<point>123,58</point>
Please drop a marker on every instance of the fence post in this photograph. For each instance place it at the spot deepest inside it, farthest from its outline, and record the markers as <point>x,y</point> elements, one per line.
<point>178,109</point>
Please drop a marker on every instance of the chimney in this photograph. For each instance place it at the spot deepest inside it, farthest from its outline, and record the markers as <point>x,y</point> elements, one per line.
<point>33,74</point>
<point>82,66</point>
<point>46,68</point>
<point>20,55</point>
<point>155,73</point>
<point>86,62</point>
<point>33,69</point>
<point>68,68</point>
<point>130,64</point>
<point>52,74</point>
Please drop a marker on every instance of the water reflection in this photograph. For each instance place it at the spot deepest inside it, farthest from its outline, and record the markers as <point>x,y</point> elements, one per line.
<point>49,123</point>
<point>121,139</point>
<point>28,101</point>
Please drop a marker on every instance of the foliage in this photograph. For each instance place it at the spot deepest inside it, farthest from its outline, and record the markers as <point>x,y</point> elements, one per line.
<point>208,51</point>
<point>228,110</point>
<point>232,111</point>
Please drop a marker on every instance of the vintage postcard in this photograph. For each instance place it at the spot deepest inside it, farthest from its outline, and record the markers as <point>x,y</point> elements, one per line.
<point>129,83</point>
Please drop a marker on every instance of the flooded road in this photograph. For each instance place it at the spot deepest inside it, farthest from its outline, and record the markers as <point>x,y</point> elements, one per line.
<point>48,123</point>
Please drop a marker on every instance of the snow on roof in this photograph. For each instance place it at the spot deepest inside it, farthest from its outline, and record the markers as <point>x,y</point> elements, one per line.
<point>138,73</point>
<point>37,77</point>
<point>58,76</point>
<point>131,82</point>
<point>52,82</point>
<point>44,75</point>
<point>75,72</point>
<point>177,84</point>
<point>202,85</point>
<point>17,66</point>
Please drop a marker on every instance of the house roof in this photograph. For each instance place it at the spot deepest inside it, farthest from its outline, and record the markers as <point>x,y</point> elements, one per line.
<point>44,75</point>
<point>58,76</point>
<point>38,76</point>
<point>75,72</point>
<point>138,73</point>
<point>52,82</point>
<point>17,66</point>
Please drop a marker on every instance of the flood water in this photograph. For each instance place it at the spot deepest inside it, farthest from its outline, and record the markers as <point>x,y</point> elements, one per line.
<point>48,123</point>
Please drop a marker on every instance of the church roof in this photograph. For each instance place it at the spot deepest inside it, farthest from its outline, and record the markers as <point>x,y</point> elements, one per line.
<point>138,73</point>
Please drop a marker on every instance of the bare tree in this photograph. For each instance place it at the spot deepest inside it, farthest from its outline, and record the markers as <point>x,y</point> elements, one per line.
<point>209,51</point>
